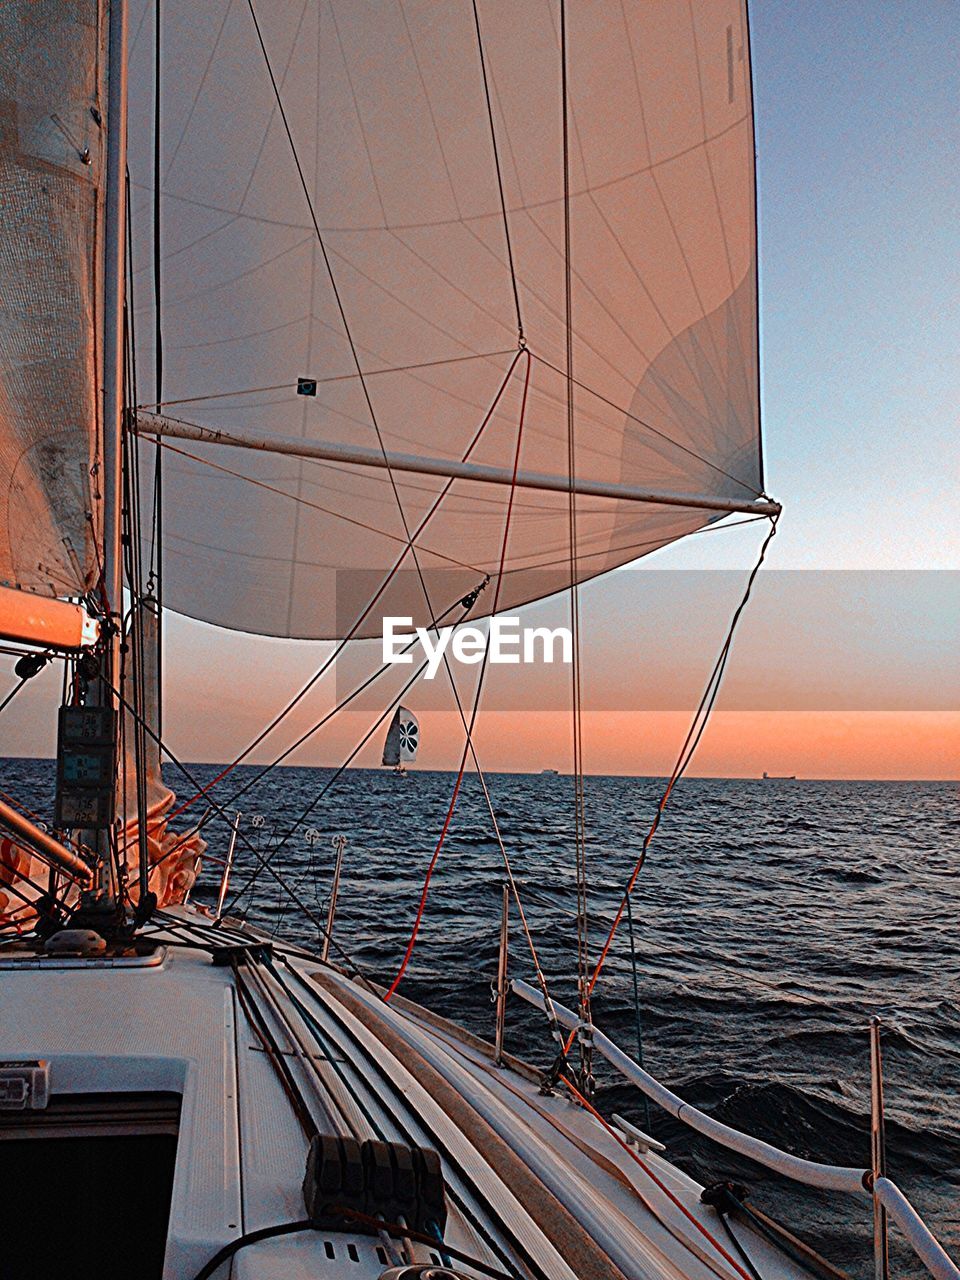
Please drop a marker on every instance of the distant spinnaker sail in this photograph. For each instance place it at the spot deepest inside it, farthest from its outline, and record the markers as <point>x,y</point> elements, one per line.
<point>388,115</point>
<point>52,159</point>
<point>403,738</point>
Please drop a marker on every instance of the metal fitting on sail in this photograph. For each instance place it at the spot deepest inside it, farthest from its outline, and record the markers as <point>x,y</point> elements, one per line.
<point>471,598</point>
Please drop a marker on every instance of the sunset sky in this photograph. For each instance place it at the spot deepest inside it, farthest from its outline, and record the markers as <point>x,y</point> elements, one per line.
<point>837,674</point>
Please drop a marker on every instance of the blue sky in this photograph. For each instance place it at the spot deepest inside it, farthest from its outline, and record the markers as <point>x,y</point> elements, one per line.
<point>858,133</point>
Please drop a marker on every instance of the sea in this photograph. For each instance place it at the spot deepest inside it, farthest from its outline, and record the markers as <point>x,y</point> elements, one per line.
<point>772,921</point>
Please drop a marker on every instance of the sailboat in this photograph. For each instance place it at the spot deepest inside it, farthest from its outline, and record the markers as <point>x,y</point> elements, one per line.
<point>313,315</point>
<point>402,741</point>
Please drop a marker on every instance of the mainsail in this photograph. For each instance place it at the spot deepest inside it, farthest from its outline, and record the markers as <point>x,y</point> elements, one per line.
<point>51,174</point>
<point>331,210</point>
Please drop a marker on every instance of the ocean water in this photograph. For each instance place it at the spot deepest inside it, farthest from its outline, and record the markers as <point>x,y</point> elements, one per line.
<point>771,922</point>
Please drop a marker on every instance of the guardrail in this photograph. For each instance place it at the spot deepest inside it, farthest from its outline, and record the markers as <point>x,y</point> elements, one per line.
<point>810,1172</point>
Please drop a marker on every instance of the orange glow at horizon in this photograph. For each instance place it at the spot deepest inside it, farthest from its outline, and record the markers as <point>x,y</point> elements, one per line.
<point>811,744</point>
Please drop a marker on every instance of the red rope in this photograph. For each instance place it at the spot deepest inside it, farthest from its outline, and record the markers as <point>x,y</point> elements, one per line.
<point>476,701</point>
<point>657,1181</point>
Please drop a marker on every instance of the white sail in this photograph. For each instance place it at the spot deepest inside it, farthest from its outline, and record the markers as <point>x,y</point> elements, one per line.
<point>51,170</point>
<point>389,123</point>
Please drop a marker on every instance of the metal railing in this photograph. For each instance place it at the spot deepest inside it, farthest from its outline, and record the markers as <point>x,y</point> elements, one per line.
<point>887,1196</point>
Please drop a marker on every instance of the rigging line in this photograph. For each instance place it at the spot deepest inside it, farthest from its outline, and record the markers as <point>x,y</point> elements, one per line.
<point>45,897</point>
<point>674,1199</point>
<point>252,782</point>
<point>337,296</point>
<point>745,1257</point>
<point>158,332</point>
<point>315,506</point>
<point>337,377</point>
<point>476,701</point>
<point>655,543</point>
<point>341,645</point>
<point>577,692</point>
<point>134,568</point>
<point>13,693</point>
<point>7,886</point>
<point>64,838</point>
<point>268,860</point>
<point>157,309</point>
<point>646,425</point>
<point>694,734</point>
<point>496,160</point>
<point>344,955</point>
<point>130,477</point>
<point>636,1007</point>
<point>348,333</point>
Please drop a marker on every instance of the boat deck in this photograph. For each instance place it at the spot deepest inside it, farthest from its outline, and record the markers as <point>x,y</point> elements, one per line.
<point>535,1186</point>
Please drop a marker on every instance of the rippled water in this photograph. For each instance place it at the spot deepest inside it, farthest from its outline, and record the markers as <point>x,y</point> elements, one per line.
<point>772,920</point>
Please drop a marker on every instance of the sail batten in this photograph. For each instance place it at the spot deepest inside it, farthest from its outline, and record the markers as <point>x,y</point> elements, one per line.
<point>391,254</point>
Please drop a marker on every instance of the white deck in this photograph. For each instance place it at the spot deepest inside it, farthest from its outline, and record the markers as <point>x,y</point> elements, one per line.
<point>178,1025</point>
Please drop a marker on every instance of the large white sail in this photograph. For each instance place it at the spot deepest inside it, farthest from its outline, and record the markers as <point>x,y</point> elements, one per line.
<point>51,171</point>
<point>389,121</point>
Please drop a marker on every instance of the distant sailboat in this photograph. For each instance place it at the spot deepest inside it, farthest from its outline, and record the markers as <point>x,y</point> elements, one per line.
<point>402,740</point>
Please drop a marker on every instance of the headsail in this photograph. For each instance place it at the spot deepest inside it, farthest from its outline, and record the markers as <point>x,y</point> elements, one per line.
<point>403,738</point>
<point>51,169</point>
<point>393,255</point>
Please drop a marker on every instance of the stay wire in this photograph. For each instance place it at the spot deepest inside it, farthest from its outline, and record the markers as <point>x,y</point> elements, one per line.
<point>339,301</point>
<point>343,316</point>
<point>342,643</point>
<point>356,750</point>
<point>690,743</point>
<point>13,693</point>
<point>500,188</point>
<point>330,783</point>
<point>476,702</point>
<point>155,574</point>
<point>636,1007</point>
<point>576,681</point>
<point>134,561</point>
<point>251,782</point>
<point>248,844</point>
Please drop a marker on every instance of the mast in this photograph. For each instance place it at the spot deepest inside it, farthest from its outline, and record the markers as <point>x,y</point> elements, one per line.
<point>113,360</point>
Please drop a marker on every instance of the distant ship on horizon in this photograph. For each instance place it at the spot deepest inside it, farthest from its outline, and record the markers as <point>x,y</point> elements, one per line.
<point>779,777</point>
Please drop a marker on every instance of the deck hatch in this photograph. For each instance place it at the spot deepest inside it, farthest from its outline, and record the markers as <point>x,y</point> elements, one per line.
<point>99,1157</point>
